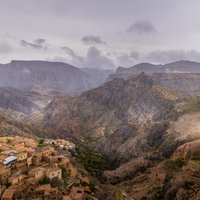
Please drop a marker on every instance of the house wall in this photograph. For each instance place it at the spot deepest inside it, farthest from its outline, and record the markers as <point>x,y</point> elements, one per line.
<point>54,173</point>
<point>22,156</point>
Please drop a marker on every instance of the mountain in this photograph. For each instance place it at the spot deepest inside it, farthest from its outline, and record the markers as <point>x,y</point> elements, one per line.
<point>22,101</point>
<point>148,133</point>
<point>183,76</point>
<point>182,66</point>
<point>117,118</point>
<point>48,77</point>
<point>97,77</point>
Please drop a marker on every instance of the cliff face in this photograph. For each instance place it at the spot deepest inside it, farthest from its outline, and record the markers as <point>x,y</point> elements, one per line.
<point>47,77</point>
<point>117,118</point>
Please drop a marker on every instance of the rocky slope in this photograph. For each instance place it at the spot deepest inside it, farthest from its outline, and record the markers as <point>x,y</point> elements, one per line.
<point>148,132</point>
<point>117,118</point>
<point>48,77</point>
<point>22,101</point>
<point>176,178</point>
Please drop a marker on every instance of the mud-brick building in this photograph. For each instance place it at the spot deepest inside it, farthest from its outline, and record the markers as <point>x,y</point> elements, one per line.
<point>54,172</point>
<point>37,172</point>
<point>5,173</point>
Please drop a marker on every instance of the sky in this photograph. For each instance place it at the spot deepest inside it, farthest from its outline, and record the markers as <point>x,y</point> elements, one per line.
<point>101,34</point>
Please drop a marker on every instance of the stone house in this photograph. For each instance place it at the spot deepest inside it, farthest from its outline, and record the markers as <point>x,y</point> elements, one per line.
<point>77,193</point>
<point>47,151</point>
<point>16,178</point>
<point>37,158</point>
<point>54,172</point>
<point>21,156</point>
<point>63,161</point>
<point>37,172</point>
<point>5,173</point>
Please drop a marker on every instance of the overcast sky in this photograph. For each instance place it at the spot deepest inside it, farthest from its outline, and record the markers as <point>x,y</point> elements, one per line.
<point>100,33</point>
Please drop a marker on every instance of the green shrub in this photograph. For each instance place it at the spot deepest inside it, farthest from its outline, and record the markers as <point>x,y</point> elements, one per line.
<point>175,164</point>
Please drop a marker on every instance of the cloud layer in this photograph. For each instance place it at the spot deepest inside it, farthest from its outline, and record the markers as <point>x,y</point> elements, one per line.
<point>39,43</point>
<point>141,27</point>
<point>100,33</point>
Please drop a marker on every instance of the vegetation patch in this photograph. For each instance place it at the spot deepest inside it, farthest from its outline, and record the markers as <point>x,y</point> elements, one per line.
<point>93,162</point>
<point>193,106</point>
<point>175,164</point>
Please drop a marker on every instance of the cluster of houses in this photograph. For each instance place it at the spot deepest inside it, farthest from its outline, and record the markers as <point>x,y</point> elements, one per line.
<point>32,171</point>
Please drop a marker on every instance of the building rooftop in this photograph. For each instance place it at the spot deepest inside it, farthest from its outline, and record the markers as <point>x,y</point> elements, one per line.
<point>9,160</point>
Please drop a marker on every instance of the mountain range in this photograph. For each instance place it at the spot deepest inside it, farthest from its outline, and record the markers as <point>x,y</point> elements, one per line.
<point>144,122</point>
<point>49,78</point>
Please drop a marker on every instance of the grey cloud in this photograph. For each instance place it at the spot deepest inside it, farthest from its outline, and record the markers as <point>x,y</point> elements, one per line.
<point>39,43</point>
<point>94,58</point>
<point>75,58</point>
<point>173,55</point>
<point>141,27</point>
<point>92,40</point>
<point>128,59</point>
<point>69,51</point>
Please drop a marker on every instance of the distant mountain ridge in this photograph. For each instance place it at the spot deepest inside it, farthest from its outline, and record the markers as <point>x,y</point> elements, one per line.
<point>182,66</point>
<point>48,77</point>
<point>183,76</point>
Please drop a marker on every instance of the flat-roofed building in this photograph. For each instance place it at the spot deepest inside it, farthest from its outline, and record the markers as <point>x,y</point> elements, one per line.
<point>54,173</point>
<point>21,156</point>
<point>37,172</point>
<point>9,160</point>
<point>5,173</point>
<point>16,178</point>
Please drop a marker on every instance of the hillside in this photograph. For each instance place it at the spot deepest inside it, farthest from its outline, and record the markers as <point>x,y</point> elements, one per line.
<point>117,118</point>
<point>22,101</point>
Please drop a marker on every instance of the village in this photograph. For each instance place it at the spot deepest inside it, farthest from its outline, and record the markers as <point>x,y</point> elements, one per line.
<point>40,169</point>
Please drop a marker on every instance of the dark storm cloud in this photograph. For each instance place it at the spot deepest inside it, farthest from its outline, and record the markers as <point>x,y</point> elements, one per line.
<point>92,40</point>
<point>142,27</point>
<point>39,43</point>
<point>173,55</point>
